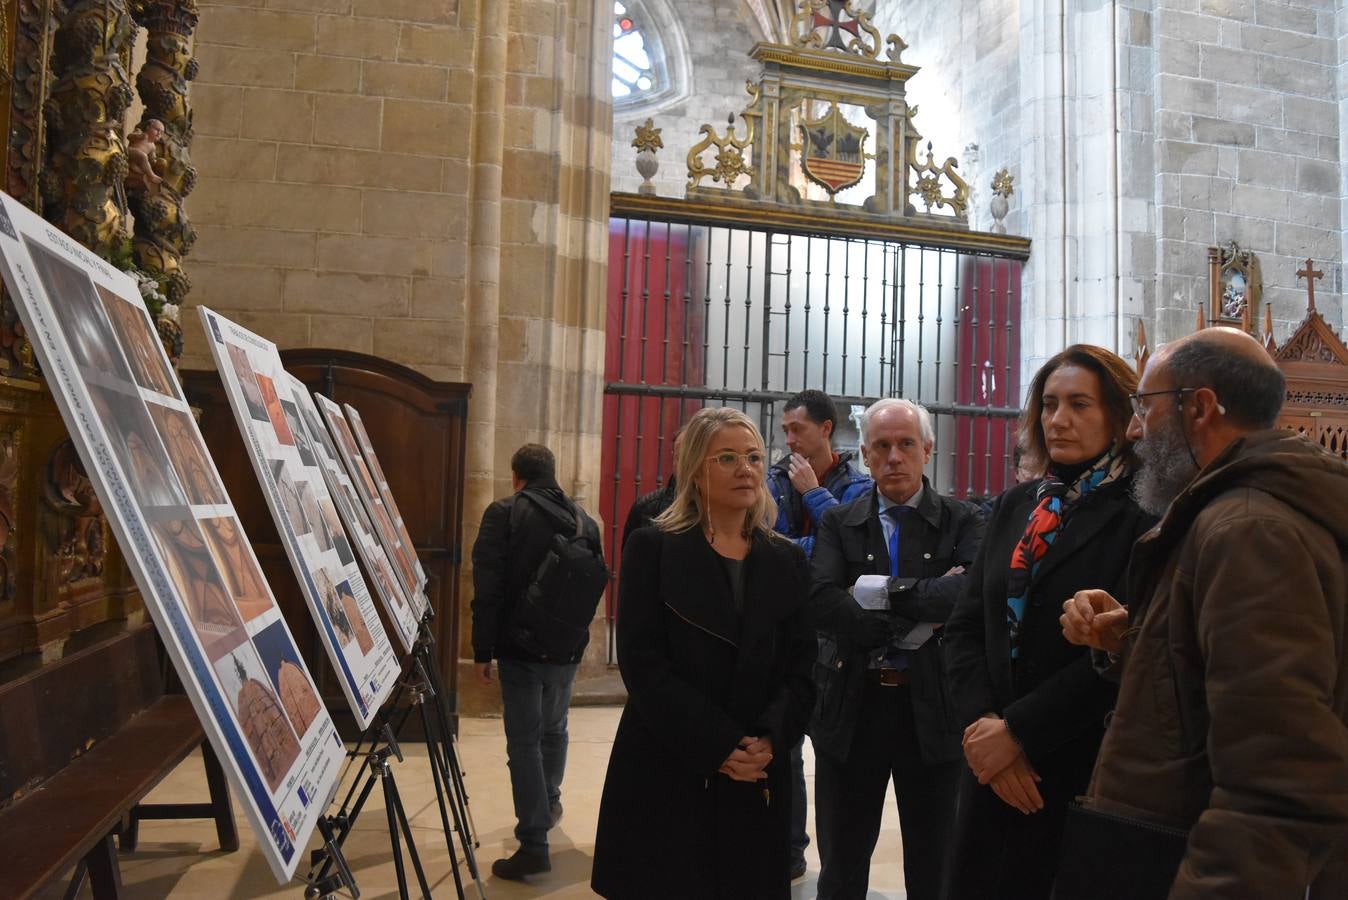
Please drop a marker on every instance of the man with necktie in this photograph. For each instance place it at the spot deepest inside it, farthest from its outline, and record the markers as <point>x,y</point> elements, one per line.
<point>883,715</point>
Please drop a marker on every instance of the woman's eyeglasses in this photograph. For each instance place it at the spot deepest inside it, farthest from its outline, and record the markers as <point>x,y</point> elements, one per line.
<point>731,462</point>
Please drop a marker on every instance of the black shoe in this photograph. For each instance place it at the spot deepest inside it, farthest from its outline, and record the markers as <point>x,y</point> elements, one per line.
<point>555,815</point>
<point>514,868</point>
<point>797,868</point>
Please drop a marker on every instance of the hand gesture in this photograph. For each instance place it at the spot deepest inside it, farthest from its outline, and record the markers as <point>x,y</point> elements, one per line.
<point>989,748</point>
<point>802,474</point>
<point>483,672</point>
<point>749,760</point>
<point>1016,786</point>
<point>1094,619</point>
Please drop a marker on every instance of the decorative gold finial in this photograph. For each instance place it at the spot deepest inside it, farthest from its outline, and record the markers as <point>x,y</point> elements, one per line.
<point>648,137</point>
<point>1003,183</point>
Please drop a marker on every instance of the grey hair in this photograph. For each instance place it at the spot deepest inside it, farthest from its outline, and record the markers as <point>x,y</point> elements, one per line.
<point>923,417</point>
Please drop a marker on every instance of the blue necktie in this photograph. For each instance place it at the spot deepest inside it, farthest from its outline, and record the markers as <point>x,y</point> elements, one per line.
<point>894,657</point>
<point>896,515</point>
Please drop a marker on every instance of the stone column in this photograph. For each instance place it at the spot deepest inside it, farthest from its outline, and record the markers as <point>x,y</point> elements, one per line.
<point>483,305</point>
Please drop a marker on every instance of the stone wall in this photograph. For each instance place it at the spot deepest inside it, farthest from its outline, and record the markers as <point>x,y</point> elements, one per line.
<point>1247,148</point>
<point>428,182</point>
<point>333,151</point>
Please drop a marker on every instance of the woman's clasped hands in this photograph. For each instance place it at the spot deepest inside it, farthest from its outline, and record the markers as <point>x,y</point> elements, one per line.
<point>749,761</point>
<point>997,760</point>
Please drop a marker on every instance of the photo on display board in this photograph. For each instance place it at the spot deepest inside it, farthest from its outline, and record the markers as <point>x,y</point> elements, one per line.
<point>363,661</point>
<point>275,413</point>
<point>140,340</point>
<point>289,496</point>
<point>237,567</point>
<point>333,525</point>
<point>134,436</point>
<point>188,454</point>
<point>247,381</point>
<point>206,599</point>
<point>136,442</point>
<point>287,677</point>
<point>313,517</point>
<point>302,445</point>
<point>266,726</point>
<point>86,329</point>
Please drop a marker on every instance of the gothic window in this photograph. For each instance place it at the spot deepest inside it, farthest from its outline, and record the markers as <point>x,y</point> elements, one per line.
<point>633,74</point>
<point>650,57</point>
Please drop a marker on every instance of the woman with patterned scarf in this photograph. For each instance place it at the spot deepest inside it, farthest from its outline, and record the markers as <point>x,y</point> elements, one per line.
<point>1033,708</point>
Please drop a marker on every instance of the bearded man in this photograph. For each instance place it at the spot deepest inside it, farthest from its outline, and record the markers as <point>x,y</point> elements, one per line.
<point>1232,718</point>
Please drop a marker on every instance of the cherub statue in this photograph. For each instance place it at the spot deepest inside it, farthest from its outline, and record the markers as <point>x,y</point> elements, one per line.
<point>141,149</point>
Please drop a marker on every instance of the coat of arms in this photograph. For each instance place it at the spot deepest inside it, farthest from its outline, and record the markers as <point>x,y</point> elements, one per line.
<point>833,151</point>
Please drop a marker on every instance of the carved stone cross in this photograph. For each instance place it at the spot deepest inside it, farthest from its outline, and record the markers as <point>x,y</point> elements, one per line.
<point>1310,273</point>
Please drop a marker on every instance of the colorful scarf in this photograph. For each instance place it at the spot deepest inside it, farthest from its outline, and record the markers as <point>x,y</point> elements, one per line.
<point>1054,501</point>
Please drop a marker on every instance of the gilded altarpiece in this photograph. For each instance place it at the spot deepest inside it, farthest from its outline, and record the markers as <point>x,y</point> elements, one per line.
<point>63,583</point>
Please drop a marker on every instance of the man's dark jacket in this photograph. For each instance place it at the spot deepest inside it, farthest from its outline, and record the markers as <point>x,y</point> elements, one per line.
<point>646,507</point>
<point>850,543</point>
<point>512,541</point>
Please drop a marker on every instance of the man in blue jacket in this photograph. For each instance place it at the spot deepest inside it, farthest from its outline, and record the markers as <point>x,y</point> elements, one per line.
<point>806,483</point>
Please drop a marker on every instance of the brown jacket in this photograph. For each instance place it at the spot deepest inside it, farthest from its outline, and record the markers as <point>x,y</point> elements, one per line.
<point>1232,718</point>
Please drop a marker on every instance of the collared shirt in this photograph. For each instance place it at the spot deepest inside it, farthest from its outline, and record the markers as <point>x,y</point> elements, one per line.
<point>883,503</point>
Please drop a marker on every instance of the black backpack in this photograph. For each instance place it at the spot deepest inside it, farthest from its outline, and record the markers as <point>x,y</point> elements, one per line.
<point>552,619</point>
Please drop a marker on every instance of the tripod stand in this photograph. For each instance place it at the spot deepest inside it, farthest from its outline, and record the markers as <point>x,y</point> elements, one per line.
<point>419,685</point>
<point>335,829</point>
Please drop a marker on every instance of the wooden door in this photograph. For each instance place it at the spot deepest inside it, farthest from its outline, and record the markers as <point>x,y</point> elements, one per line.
<point>417,427</point>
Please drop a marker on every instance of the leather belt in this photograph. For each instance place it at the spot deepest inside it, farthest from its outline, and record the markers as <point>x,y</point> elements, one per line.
<point>887,677</point>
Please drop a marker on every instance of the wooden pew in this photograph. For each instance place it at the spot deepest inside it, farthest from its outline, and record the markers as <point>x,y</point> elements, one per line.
<point>82,742</point>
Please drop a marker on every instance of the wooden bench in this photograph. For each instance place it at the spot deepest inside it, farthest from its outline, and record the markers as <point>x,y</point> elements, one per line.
<point>82,742</point>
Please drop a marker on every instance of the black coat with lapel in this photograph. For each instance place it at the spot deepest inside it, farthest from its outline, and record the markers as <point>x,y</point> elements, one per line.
<point>1051,695</point>
<point>699,678</point>
<point>850,543</point>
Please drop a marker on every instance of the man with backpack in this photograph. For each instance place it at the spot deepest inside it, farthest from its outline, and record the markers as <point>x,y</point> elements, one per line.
<point>538,574</point>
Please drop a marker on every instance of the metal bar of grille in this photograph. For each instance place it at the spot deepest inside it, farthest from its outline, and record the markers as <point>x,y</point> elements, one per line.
<point>748,310</point>
<point>847,304</point>
<point>975,384</point>
<point>865,297</point>
<point>809,281</point>
<point>664,357</point>
<point>989,370</point>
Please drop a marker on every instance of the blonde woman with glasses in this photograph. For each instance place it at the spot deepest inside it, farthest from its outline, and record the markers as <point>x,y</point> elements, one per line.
<point>716,654</point>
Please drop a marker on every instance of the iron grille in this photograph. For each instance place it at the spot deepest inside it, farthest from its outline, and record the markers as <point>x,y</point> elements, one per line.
<point>711,314</point>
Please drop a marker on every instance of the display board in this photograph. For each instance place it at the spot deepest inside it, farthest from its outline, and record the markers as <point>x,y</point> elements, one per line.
<point>296,489</point>
<point>381,483</point>
<point>404,614</point>
<point>404,559</point>
<point>182,540</point>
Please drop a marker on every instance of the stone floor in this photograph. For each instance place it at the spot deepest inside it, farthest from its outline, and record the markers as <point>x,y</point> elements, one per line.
<point>179,859</point>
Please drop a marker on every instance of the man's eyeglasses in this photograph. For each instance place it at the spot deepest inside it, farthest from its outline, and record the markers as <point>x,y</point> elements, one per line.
<point>731,462</point>
<point>1140,408</point>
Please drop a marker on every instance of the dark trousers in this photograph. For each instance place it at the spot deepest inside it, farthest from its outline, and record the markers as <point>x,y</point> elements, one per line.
<point>799,803</point>
<point>850,800</point>
<point>534,701</point>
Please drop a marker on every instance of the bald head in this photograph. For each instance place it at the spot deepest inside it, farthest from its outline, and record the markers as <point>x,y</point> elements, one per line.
<point>1246,380</point>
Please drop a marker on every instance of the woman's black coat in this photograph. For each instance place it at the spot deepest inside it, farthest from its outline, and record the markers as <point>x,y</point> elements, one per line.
<point>699,678</point>
<point>1050,696</point>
